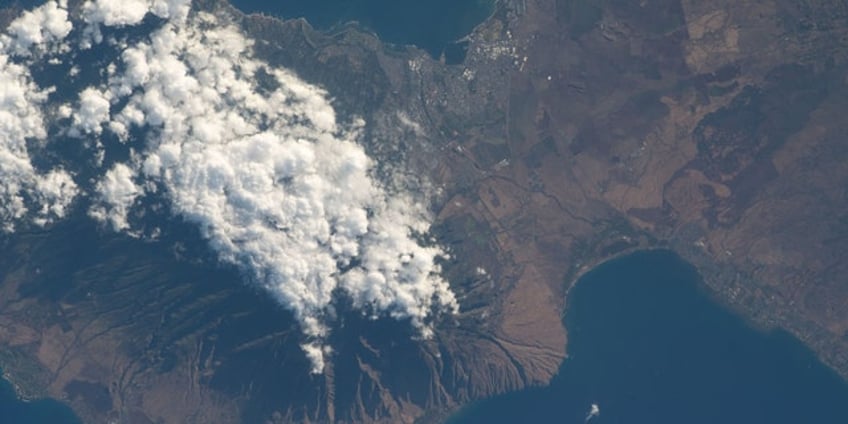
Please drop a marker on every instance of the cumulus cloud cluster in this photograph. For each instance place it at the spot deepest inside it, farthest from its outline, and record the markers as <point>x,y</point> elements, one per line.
<point>132,12</point>
<point>23,189</point>
<point>46,25</point>
<point>260,165</point>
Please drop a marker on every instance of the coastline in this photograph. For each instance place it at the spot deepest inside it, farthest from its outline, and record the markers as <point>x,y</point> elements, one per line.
<point>721,280</point>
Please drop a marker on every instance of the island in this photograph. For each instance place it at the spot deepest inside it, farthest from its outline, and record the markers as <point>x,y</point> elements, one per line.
<point>574,132</point>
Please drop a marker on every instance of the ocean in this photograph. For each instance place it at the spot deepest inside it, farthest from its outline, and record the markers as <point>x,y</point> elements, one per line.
<point>648,345</point>
<point>434,25</point>
<point>16,411</point>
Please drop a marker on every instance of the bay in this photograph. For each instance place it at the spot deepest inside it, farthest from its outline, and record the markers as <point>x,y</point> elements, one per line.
<point>434,25</point>
<point>17,411</point>
<point>647,345</point>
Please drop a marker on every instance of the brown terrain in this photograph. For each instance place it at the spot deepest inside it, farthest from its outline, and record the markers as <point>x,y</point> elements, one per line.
<point>576,131</point>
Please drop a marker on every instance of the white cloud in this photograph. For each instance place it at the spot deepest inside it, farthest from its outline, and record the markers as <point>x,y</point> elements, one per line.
<point>22,187</point>
<point>93,111</point>
<point>272,181</point>
<point>116,13</point>
<point>117,192</point>
<point>132,12</point>
<point>46,24</point>
<point>316,354</point>
<point>122,13</point>
<point>270,178</point>
<point>54,191</point>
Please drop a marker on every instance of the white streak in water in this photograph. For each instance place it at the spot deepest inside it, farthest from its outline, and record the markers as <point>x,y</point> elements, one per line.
<point>594,411</point>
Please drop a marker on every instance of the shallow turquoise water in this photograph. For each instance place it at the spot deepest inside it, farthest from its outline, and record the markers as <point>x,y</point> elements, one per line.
<point>647,346</point>
<point>432,25</point>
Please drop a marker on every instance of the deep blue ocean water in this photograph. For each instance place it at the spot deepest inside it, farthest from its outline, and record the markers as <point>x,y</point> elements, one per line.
<point>649,347</point>
<point>15,411</point>
<point>433,25</point>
